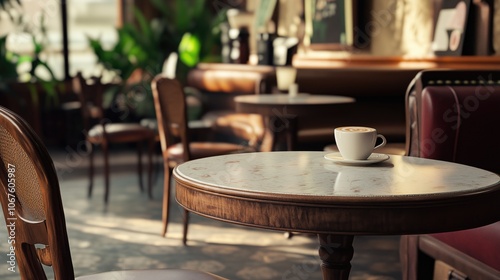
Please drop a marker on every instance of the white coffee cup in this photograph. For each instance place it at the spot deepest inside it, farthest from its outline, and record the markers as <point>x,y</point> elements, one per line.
<point>357,142</point>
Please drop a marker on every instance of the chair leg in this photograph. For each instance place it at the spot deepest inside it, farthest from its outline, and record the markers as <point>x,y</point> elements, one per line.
<point>151,144</point>
<point>105,152</point>
<point>91,170</point>
<point>139,165</point>
<point>166,198</point>
<point>185,220</point>
<point>408,256</point>
<point>28,262</point>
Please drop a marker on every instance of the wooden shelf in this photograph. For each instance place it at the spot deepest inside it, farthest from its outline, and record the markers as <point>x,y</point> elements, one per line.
<point>353,61</point>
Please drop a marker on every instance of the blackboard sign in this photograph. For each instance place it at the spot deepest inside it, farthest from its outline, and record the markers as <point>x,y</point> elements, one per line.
<point>331,23</point>
<point>328,22</point>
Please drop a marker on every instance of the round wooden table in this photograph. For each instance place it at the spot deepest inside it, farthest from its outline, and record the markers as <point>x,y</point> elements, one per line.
<point>283,111</point>
<point>303,192</point>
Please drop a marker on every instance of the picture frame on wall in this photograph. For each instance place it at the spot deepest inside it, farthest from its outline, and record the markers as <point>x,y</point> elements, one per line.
<point>329,24</point>
<point>451,28</point>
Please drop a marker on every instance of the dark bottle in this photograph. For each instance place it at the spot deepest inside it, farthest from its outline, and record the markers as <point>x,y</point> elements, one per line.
<point>265,52</point>
<point>240,45</point>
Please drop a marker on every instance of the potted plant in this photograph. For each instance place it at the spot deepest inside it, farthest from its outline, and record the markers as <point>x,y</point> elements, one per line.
<point>185,27</point>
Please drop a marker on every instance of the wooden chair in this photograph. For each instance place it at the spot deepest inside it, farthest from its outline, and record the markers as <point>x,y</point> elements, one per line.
<point>175,138</point>
<point>100,131</point>
<point>31,202</point>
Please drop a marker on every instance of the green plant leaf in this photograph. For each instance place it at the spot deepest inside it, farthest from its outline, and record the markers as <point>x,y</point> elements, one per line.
<point>182,17</point>
<point>162,7</point>
<point>38,48</point>
<point>144,25</point>
<point>47,67</point>
<point>189,49</point>
<point>198,8</point>
<point>8,69</point>
<point>24,58</point>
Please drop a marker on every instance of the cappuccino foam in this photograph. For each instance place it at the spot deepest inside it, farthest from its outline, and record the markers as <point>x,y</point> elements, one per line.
<point>355,129</point>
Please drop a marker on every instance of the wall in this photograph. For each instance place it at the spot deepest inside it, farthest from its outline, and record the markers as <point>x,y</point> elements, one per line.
<point>404,27</point>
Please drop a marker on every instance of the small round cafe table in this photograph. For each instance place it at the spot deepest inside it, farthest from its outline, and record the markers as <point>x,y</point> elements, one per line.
<point>304,192</point>
<point>282,112</point>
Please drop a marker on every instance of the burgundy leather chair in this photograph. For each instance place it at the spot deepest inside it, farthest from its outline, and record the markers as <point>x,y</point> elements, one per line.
<point>454,115</point>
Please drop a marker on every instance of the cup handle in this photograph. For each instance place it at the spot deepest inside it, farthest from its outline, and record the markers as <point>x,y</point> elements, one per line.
<point>383,141</point>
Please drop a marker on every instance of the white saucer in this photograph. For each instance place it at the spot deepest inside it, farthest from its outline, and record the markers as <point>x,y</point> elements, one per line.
<point>373,158</point>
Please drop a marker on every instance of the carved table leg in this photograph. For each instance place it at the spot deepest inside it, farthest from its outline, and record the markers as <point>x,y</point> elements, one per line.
<point>269,140</point>
<point>336,253</point>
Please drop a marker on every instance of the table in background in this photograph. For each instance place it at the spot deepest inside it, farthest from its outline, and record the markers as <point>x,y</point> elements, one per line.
<point>303,192</point>
<point>283,111</point>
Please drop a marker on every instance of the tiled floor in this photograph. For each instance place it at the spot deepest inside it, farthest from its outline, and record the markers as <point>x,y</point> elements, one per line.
<point>126,235</point>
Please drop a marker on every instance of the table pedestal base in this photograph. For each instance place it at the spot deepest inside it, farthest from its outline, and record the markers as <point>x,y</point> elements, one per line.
<point>280,129</point>
<point>335,252</point>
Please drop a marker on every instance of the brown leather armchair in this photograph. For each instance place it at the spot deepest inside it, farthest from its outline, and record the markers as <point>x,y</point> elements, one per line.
<point>454,115</point>
<point>220,86</point>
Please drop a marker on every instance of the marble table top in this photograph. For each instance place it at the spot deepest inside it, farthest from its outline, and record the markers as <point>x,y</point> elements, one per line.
<point>310,174</point>
<point>285,99</point>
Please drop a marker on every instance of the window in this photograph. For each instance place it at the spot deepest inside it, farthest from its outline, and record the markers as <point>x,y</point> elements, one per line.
<point>93,18</point>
